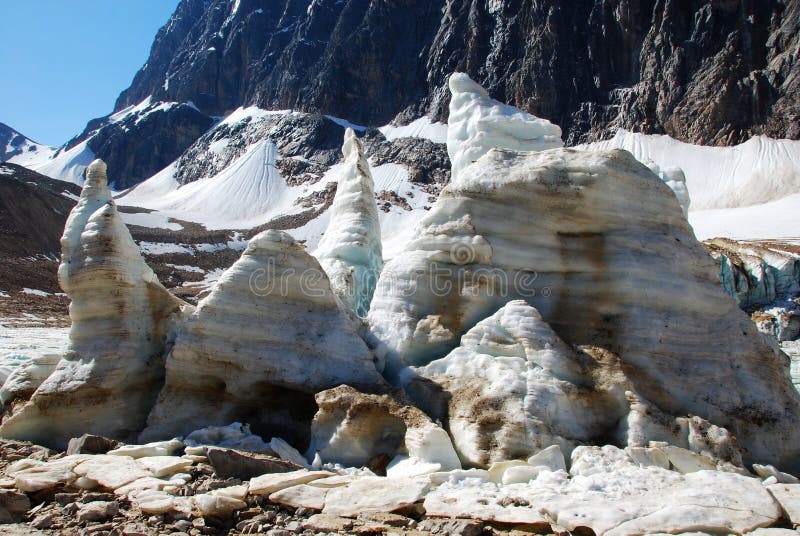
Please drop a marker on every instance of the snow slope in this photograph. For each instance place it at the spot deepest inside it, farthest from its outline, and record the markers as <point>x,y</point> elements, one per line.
<point>756,172</point>
<point>18,148</point>
<point>419,128</point>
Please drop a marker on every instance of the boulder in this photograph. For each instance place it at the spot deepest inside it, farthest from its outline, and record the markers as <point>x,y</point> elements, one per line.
<point>13,506</point>
<point>268,484</point>
<point>122,322</point>
<point>230,463</point>
<point>97,511</point>
<point>269,336</point>
<point>91,444</point>
<point>350,250</point>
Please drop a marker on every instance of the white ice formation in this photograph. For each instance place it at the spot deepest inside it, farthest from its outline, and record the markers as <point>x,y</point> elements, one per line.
<point>676,180</point>
<point>269,336</point>
<point>122,320</point>
<point>351,428</point>
<point>513,388</point>
<point>477,123</point>
<point>350,250</point>
<point>599,246</point>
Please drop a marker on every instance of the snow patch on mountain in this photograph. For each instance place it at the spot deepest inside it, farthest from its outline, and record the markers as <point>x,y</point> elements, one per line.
<point>19,148</point>
<point>419,128</point>
<point>68,166</point>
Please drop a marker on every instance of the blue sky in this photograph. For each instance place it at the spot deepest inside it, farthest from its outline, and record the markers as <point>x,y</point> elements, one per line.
<point>63,62</point>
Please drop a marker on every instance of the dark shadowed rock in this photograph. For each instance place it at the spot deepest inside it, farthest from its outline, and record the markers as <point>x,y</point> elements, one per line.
<point>13,506</point>
<point>231,463</point>
<point>91,444</point>
<point>702,71</point>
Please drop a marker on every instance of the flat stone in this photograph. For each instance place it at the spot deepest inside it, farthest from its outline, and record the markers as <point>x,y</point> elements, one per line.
<point>97,511</point>
<point>772,532</point>
<point>217,505</point>
<point>234,492</point>
<point>788,496</point>
<point>333,481</point>
<point>685,461</point>
<point>13,506</point>
<point>164,466</point>
<point>301,496</point>
<point>153,502</point>
<point>156,448</point>
<point>113,471</point>
<point>268,484</point>
<point>230,463</point>
<point>91,444</point>
<point>375,494</point>
<point>484,502</point>
<point>34,475</point>
<point>142,484</point>
<point>386,518</point>
<point>327,523</point>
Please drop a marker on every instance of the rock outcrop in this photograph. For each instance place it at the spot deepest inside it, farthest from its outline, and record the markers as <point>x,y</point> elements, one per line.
<point>478,123</point>
<point>599,246</point>
<point>350,250</point>
<point>269,336</point>
<point>122,321</point>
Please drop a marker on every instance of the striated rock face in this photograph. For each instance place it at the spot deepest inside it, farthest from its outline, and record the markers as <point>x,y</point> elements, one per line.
<point>702,71</point>
<point>269,336</point>
<point>122,319</point>
<point>599,246</point>
<point>478,123</point>
<point>350,251</point>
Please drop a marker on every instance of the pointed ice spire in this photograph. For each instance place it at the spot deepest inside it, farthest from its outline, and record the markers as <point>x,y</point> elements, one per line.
<point>122,319</point>
<point>94,195</point>
<point>478,123</point>
<point>350,251</point>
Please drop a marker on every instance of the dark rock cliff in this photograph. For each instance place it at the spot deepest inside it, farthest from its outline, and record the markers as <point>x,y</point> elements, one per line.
<point>703,71</point>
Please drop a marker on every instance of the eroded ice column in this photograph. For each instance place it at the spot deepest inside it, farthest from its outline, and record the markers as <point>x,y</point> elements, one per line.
<point>269,336</point>
<point>350,251</point>
<point>122,320</point>
<point>478,123</point>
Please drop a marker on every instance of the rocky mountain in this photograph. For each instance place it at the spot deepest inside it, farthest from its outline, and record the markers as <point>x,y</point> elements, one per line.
<point>13,144</point>
<point>701,71</point>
